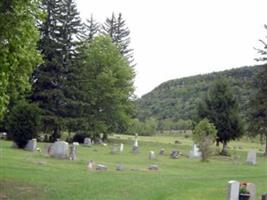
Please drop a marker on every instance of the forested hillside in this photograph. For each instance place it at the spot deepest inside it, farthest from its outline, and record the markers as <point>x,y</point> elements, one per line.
<point>177,99</point>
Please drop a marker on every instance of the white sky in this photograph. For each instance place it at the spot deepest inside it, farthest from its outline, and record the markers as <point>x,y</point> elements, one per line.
<point>178,38</point>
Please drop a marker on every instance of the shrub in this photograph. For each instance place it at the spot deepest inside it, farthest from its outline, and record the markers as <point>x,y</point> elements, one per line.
<point>23,123</point>
<point>79,137</point>
<point>204,135</point>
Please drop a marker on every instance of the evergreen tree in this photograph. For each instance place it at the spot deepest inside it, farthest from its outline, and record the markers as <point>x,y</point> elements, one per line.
<point>90,29</point>
<point>116,28</point>
<point>220,107</point>
<point>258,104</point>
<point>58,45</point>
<point>263,51</point>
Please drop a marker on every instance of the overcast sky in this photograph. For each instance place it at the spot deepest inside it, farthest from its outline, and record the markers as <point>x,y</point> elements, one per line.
<point>178,38</point>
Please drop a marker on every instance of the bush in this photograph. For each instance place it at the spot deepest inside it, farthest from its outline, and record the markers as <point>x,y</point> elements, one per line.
<point>79,137</point>
<point>23,123</point>
<point>204,135</point>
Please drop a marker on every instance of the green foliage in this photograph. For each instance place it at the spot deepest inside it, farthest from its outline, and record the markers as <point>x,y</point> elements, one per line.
<point>147,128</point>
<point>18,54</point>
<point>204,135</point>
<point>179,98</point>
<point>23,123</point>
<point>258,107</point>
<point>221,107</point>
<point>104,89</point>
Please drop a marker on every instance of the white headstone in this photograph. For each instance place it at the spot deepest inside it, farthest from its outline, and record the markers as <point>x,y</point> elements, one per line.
<point>251,187</point>
<point>91,165</point>
<point>87,141</point>
<point>152,155</point>
<point>195,153</point>
<point>121,147</point>
<point>73,151</point>
<point>101,168</point>
<point>136,143</point>
<point>31,145</point>
<point>59,149</point>
<point>251,158</point>
<point>233,190</point>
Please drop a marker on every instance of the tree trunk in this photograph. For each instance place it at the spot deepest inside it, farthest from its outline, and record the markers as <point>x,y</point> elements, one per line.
<point>217,143</point>
<point>224,149</point>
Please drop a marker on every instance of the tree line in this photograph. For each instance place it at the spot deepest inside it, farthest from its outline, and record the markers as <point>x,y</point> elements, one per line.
<point>79,75</point>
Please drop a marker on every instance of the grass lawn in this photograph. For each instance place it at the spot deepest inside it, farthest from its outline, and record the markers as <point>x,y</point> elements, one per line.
<point>33,175</point>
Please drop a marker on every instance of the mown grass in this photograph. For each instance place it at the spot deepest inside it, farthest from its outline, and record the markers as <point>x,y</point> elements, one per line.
<point>184,179</point>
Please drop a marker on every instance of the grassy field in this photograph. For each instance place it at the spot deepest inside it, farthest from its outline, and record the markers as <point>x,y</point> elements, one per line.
<point>33,175</point>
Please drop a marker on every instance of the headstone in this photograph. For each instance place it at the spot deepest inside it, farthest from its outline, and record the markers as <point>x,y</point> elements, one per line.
<point>174,154</point>
<point>87,141</point>
<point>14,145</point>
<point>251,187</point>
<point>135,149</point>
<point>152,155</point>
<point>264,197</point>
<point>120,167</point>
<point>73,151</point>
<point>161,152</point>
<point>153,168</point>
<point>31,145</point>
<point>114,149</point>
<point>194,153</point>
<point>233,190</point>
<point>98,141</point>
<point>91,165</point>
<point>59,149</point>
<point>121,147</point>
<point>101,168</point>
<point>136,142</point>
<point>251,158</point>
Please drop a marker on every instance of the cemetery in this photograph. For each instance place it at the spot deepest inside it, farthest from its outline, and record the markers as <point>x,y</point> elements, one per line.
<point>62,170</point>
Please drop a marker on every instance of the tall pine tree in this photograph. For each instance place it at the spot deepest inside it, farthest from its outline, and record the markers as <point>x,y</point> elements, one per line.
<point>116,28</point>
<point>58,45</point>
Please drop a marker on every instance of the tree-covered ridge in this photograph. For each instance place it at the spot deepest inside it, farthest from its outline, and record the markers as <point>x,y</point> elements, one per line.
<point>178,98</point>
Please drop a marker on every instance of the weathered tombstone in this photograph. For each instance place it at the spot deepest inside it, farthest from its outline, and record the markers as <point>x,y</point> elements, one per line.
<point>101,168</point>
<point>174,154</point>
<point>114,149</point>
<point>153,168</point>
<point>120,167</point>
<point>264,196</point>
<point>87,141</point>
<point>251,158</point>
<point>91,165</point>
<point>161,152</point>
<point>121,147</point>
<point>233,190</point>
<point>31,145</point>
<point>73,151</point>
<point>14,145</point>
<point>98,141</point>
<point>251,187</point>
<point>152,155</point>
<point>59,149</point>
<point>135,149</point>
<point>194,153</point>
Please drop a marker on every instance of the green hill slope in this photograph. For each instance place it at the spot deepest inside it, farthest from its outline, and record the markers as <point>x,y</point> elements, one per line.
<point>177,99</point>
